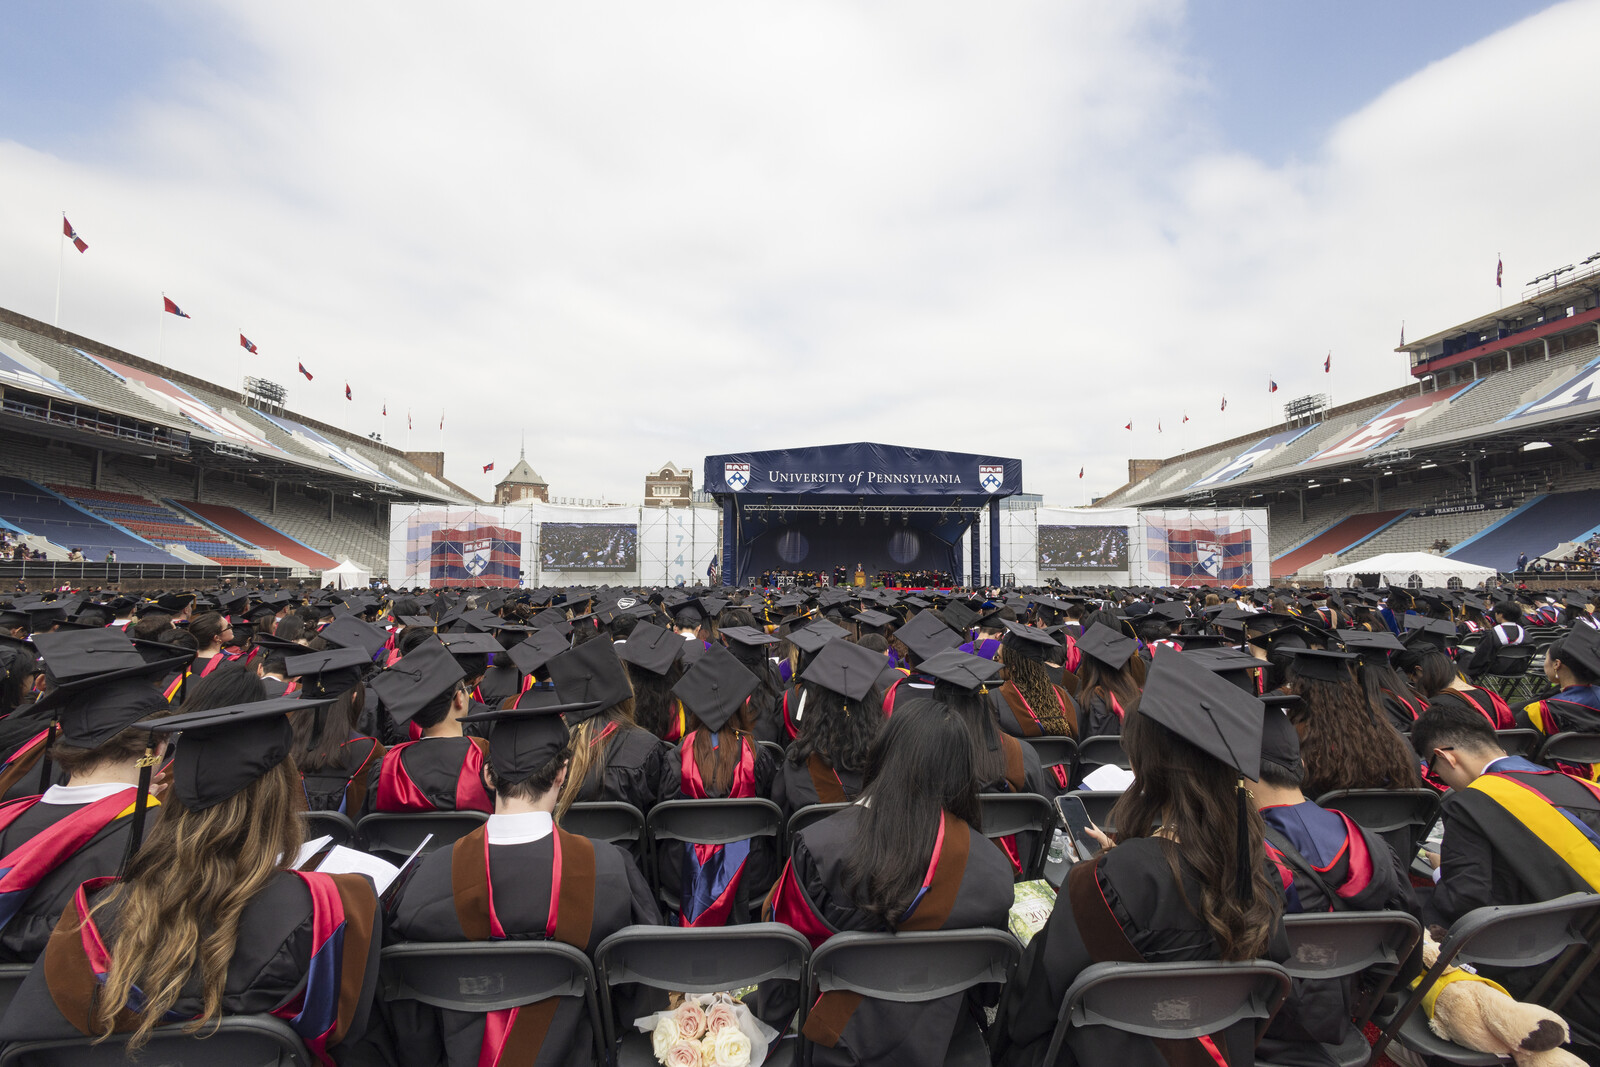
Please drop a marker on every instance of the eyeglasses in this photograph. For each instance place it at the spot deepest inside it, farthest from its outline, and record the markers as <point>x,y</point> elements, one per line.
<point>1434,758</point>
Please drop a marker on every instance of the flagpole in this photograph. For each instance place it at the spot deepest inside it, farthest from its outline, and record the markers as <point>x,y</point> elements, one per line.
<point>61,258</point>
<point>161,356</point>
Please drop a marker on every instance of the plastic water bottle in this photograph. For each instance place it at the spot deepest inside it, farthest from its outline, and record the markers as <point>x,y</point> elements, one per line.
<point>1058,847</point>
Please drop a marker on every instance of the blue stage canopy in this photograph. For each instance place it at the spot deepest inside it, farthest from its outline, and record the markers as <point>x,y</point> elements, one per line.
<point>863,469</point>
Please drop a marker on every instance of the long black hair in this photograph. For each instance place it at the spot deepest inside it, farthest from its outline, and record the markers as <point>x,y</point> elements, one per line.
<point>839,731</point>
<point>320,733</point>
<point>654,706</point>
<point>919,766</point>
<point>973,710</point>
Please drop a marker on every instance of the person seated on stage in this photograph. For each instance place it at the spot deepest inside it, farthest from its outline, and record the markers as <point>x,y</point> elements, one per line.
<point>825,763</point>
<point>1179,884</point>
<point>440,771</point>
<point>1507,630</point>
<point>80,829</point>
<point>338,765</point>
<point>1028,703</point>
<point>1572,664</point>
<point>906,856</point>
<point>612,758</point>
<point>1430,667</point>
<point>210,920</point>
<point>1345,742</point>
<point>717,758</point>
<point>1110,678</point>
<point>1514,833</point>
<point>518,877</point>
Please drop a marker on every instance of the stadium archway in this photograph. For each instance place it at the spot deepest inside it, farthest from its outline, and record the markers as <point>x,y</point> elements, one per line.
<point>874,506</point>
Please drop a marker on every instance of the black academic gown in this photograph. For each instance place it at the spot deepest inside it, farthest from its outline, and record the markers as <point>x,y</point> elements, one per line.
<point>268,970</point>
<point>1101,719</point>
<point>444,901</point>
<point>350,786</point>
<point>812,781</point>
<point>498,683</point>
<point>641,769</point>
<point>760,867</point>
<point>971,887</point>
<point>1490,855</point>
<point>24,936</point>
<point>1153,922</point>
<point>439,774</point>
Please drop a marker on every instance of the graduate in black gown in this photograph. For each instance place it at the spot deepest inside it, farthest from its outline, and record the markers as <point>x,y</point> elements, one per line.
<point>441,770</point>
<point>825,762</point>
<point>212,882</point>
<point>612,758</point>
<point>518,877</point>
<point>654,667</point>
<point>1514,833</point>
<point>750,646</point>
<point>1179,883</point>
<point>1385,687</point>
<point>338,766</point>
<point>80,829</point>
<point>906,856</point>
<point>1110,677</point>
<point>1346,742</point>
<point>1028,704</point>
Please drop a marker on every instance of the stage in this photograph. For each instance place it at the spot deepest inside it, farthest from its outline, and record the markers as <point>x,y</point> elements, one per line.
<point>880,509</point>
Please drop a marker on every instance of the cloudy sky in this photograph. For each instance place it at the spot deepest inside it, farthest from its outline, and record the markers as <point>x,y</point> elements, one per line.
<point>640,232</point>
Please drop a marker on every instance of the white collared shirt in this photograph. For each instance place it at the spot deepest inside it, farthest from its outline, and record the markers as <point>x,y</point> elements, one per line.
<point>83,794</point>
<point>520,828</point>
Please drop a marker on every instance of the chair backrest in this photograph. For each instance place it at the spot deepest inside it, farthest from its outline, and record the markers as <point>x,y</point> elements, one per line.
<point>1400,816</point>
<point>1170,1000</point>
<point>775,750</point>
<point>1098,803</point>
<point>916,966</point>
<point>238,1041</point>
<point>1103,749</point>
<point>1570,747</point>
<point>812,813</point>
<point>399,833</point>
<point>1520,935</point>
<point>1336,944</point>
<point>1054,751</point>
<point>714,822</point>
<point>1005,814</point>
<point>334,824</point>
<point>1522,742</point>
<point>485,976</point>
<point>1511,661</point>
<point>605,820</point>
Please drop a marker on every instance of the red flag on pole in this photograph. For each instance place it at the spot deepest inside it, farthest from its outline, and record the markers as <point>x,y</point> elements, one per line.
<point>386,409</point>
<point>1327,364</point>
<point>1080,472</point>
<point>408,418</point>
<point>441,420</point>
<point>172,309</point>
<point>1129,426</point>
<point>247,344</point>
<point>1185,416</point>
<point>1499,272</point>
<point>347,395</point>
<point>72,235</point>
<point>1224,403</point>
<point>1402,333</point>
<point>1158,427</point>
<point>305,372</point>
<point>487,467</point>
<point>1272,386</point>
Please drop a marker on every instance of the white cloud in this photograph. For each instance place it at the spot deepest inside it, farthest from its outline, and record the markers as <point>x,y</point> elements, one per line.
<point>641,231</point>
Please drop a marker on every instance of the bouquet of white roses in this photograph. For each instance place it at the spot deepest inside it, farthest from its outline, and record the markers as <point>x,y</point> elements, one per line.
<point>707,1030</point>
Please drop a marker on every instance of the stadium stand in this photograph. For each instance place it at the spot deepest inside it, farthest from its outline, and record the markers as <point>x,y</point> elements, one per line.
<point>1545,521</point>
<point>244,527</point>
<point>32,507</point>
<point>160,525</point>
<point>1342,536</point>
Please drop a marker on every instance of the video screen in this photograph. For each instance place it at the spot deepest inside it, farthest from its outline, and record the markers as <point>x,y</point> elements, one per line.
<point>588,546</point>
<point>1101,548</point>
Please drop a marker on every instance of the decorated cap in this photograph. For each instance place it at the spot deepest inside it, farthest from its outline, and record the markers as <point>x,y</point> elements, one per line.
<point>715,687</point>
<point>224,750</point>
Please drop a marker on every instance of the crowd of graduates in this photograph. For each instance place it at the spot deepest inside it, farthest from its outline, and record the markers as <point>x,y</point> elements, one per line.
<point>160,755</point>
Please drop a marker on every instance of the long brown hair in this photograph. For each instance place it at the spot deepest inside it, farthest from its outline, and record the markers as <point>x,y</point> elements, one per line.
<point>1188,801</point>
<point>1344,743</point>
<point>589,754</point>
<point>1127,685</point>
<point>186,888</point>
<point>1032,681</point>
<point>718,762</point>
<point>317,751</point>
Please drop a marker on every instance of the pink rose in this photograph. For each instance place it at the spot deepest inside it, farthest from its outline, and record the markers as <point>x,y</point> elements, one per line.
<point>722,1017</point>
<point>691,1020</point>
<point>683,1054</point>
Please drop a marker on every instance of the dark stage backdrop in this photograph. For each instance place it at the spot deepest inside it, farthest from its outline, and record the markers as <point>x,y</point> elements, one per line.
<point>876,547</point>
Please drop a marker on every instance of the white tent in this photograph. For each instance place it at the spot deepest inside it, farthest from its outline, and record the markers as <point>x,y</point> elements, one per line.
<point>1417,570</point>
<point>346,576</point>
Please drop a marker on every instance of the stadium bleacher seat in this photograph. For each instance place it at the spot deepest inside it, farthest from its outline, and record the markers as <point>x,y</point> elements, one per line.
<point>40,511</point>
<point>251,530</point>
<point>158,524</point>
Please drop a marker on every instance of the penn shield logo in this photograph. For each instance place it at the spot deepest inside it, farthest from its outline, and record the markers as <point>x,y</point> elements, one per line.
<point>475,556</point>
<point>1208,558</point>
<point>991,476</point>
<point>736,475</point>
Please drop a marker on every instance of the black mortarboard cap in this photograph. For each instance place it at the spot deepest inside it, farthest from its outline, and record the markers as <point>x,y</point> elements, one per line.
<point>1029,641</point>
<point>652,648</point>
<point>1374,647</point>
<point>959,617</point>
<point>1104,645</point>
<point>1582,646</point>
<point>927,635</point>
<point>807,640</point>
<point>591,673</point>
<point>1322,664</point>
<point>960,669</point>
<point>1206,710</point>
<point>715,687</point>
<point>748,635</point>
<point>525,739</point>
<point>470,644</point>
<point>99,680</point>
<point>876,620</point>
<point>417,679</point>
<point>351,632</point>
<point>528,656</point>
<point>846,669</point>
<point>224,750</point>
<point>1280,744</point>
<point>329,673</point>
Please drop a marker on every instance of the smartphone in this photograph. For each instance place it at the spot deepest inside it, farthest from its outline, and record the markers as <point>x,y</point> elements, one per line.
<point>1076,818</point>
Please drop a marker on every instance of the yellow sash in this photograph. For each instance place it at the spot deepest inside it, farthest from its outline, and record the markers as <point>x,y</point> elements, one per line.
<point>1548,824</point>
<point>1448,977</point>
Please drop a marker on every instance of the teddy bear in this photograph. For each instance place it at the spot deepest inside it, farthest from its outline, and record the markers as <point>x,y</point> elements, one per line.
<point>1480,1015</point>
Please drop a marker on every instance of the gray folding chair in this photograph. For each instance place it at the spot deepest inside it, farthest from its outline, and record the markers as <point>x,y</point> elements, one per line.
<point>913,967</point>
<point>1028,816</point>
<point>605,820</point>
<point>485,976</point>
<point>711,822</point>
<point>1330,946</point>
<point>237,1040</point>
<point>1521,742</point>
<point>1570,747</point>
<point>1055,751</point>
<point>1509,936</point>
<point>1170,1000</point>
<point>1098,803</point>
<point>1100,751</point>
<point>1507,673</point>
<point>1400,816</point>
<point>710,960</point>
<point>775,750</point>
<point>811,813</point>
<point>334,824</point>
<point>396,835</point>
